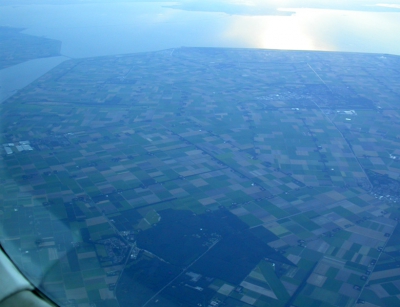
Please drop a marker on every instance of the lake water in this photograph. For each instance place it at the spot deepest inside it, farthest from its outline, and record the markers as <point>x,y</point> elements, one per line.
<point>98,29</point>
<point>18,76</point>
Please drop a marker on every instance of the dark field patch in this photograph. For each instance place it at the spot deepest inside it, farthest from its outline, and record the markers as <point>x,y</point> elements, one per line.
<point>143,279</point>
<point>264,234</point>
<point>233,257</point>
<point>181,236</point>
<point>394,239</point>
<point>127,220</point>
<point>183,290</point>
<point>73,261</point>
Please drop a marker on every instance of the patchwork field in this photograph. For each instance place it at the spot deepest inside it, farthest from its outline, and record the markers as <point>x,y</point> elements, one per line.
<point>202,177</point>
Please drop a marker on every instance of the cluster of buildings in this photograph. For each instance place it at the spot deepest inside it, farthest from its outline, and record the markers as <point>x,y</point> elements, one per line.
<point>116,249</point>
<point>17,147</point>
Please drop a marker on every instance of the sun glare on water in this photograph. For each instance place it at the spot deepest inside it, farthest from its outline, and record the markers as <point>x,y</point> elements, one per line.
<point>276,32</point>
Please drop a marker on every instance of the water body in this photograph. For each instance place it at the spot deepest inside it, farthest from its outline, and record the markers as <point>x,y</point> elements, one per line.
<point>18,76</point>
<point>88,29</point>
<point>100,29</point>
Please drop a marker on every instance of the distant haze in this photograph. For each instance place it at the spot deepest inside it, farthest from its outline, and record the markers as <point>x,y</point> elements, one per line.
<point>95,28</point>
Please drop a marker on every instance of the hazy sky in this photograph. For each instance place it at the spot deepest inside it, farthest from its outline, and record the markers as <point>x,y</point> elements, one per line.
<point>105,27</point>
<point>272,7</point>
<point>211,4</point>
